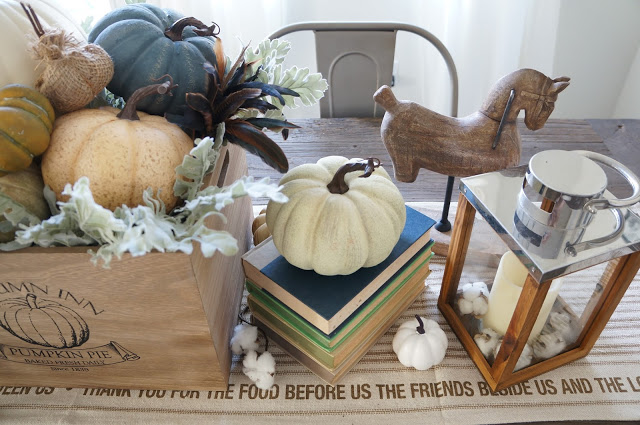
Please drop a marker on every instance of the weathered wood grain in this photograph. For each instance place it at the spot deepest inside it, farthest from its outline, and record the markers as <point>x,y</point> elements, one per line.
<point>360,137</point>
<point>461,237</point>
<point>483,141</point>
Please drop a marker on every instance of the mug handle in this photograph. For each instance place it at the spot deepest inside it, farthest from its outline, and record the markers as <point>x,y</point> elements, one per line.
<point>599,204</point>
<point>572,249</point>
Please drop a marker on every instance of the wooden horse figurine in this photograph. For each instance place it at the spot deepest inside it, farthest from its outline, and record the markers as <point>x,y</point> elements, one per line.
<point>487,140</point>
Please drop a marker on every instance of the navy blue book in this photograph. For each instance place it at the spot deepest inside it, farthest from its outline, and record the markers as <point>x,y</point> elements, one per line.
<point>327,301</point>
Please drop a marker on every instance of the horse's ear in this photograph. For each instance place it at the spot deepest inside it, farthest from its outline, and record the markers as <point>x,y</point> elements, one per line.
<point>561,79</point>
<point>558,87</point>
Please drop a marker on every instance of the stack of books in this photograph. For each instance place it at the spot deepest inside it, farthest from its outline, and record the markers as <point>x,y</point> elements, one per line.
<point>328,323</point>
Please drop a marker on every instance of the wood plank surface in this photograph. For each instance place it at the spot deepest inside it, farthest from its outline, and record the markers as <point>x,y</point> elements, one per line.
<point>360,137</point>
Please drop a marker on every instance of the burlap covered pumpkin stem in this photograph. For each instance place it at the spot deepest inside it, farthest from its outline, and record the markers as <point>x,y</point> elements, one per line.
<point>74,72</point>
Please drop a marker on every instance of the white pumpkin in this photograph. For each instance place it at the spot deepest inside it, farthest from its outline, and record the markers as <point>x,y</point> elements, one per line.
<point>420,343</point>
<point>339,229</point>
<point>18,67</point>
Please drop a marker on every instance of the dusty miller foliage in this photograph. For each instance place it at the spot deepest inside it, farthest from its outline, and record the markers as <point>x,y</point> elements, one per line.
<point>144,228</point>
<point>269,57</point>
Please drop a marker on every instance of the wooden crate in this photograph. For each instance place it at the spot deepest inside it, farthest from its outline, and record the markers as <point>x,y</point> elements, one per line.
<point>160,321</point>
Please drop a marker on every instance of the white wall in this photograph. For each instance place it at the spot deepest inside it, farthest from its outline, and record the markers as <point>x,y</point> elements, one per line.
<point>596,45</point>
<point>628,105</point>
<point>595,42</point>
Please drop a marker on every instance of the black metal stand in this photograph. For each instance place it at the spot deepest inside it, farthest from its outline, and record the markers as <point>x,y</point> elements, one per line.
<point>444,225</point>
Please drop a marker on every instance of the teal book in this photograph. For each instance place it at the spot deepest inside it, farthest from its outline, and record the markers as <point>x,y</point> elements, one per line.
<point>327,301</point>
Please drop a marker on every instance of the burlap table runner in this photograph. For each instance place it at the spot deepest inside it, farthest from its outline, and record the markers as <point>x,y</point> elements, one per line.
<point>379,390</point>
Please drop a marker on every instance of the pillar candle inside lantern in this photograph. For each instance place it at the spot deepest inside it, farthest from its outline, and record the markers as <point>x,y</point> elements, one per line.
<point>505,292</point>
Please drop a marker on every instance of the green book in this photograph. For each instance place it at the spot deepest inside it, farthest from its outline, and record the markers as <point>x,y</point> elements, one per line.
<point>368,334</point>
<point>335,356</point>
<point>331,341</point>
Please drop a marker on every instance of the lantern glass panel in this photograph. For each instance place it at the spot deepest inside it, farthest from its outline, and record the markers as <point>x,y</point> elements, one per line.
<point>478,273</point>
<point>578,297</point>
<point>487,294</point>
<point>483,284</point>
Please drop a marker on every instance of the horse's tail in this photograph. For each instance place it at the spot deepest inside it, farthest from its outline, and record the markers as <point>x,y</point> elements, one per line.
<point>385,98</point>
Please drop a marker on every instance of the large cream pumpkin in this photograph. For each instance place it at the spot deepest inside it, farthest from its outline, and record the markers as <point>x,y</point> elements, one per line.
<point>340,227</point>
<point>18,67</point>
<point>121,156</point>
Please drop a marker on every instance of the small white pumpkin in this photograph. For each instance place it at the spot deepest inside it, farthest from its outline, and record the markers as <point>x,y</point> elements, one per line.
<point>420,343</point>
<point>336,222</point>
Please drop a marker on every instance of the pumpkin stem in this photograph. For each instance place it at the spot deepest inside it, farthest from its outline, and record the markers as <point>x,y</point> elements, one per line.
<point>129,111</point>
<point>420,328</point>
<point>33,18</point>
<point>31,301</point>
<point>174,32</point>
<point>339,186</point>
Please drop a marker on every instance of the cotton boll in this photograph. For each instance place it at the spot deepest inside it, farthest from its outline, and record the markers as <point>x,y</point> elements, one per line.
<point>562,324</point>
<point>261,369</point>
<point>474,299</point>
<point>546,346</point>
<point>245,338</point>
<point>487,342</point>
<point>526,357</point>
<point>465,306</point>
<point>471,291</point>
<point>480,306</point>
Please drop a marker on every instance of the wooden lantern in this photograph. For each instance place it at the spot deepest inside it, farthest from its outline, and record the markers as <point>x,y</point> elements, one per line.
<point>545,229</point>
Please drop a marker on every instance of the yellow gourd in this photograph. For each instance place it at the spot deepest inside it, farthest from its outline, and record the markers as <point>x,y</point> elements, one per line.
<point>26,121</point>
<point>336,222</point>
<point>259,227</point>
<point>121,152</point>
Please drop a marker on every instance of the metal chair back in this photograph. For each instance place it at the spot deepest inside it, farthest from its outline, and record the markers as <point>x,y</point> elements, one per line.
<point>356,58</point>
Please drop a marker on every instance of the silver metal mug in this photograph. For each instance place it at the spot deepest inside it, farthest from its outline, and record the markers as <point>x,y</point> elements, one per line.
<point>561,194</point>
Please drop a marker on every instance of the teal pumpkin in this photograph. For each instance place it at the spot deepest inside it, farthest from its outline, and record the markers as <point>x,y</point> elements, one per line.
<point>134,36</point>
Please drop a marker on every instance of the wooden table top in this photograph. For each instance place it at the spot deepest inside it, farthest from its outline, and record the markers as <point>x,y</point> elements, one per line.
<point>360,137</point>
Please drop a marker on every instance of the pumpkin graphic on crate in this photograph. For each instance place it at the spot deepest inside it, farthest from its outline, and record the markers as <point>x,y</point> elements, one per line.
<point>43,322</point>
